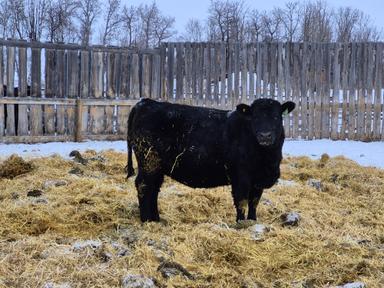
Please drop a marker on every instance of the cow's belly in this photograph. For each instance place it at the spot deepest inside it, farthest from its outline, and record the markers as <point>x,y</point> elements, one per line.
<point>266,177</point>
<point>197,172</point>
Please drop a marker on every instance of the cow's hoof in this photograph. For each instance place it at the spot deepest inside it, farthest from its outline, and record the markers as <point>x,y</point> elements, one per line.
<point>144,220</point>
<point>130,173</point>
<point>242,224</point>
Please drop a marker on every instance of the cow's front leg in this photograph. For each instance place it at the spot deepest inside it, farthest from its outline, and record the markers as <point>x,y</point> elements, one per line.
<point>240,191</point>
<point>253,200</point>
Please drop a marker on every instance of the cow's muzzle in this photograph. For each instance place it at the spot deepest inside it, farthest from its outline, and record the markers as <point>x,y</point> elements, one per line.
<point>265,138</point>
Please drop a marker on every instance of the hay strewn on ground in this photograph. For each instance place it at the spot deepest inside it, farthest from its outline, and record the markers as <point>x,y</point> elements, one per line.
<point>339,239</point>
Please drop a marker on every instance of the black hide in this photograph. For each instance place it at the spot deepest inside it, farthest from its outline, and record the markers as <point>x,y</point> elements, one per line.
<point>203,147</point>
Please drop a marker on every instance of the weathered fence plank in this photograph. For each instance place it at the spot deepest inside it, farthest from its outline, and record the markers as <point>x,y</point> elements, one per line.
<point>170,74</point>
<point>287,91</point>
<point>97,113</point>
<point>280,73</point>
<point>188,72</point>
<point>111,89</point>
<point>369,87</point>
<point>303,90</point>
<point>11,120</point>
<point>223,74</point>
<point>352,124</point>
<point>317,97</point>
<point>84,87</point>
<point>258,69</point>
<point>378,98</point>
<point>73,77</point>
<point>156,77</point>
<point>49,110</point>
<point>216,74</point>
<point>243,75</point>
<point>311,91</point>
<point>273,69</point>
<point>328,52</point>
<point>36,111</point>
<point>295,89</point>
<point>208,75</point>
<point>2,114</point>
<point>345,90</point>
<point>251,71</point>
<point>264,70</point>
<point>360,63</point>
<point>124,76</point>
<point>135,77</point>
<point>336,92</point>
<point>60,91</point>
<point>200,74</point>
<point>194,49</point>
<point>230,76</point>
<point>146,75</point>
<point>22,123</point>
<point>236,70</point>
<point>179,71</point>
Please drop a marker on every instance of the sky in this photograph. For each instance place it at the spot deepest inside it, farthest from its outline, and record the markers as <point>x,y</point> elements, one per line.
<point>183,10</point>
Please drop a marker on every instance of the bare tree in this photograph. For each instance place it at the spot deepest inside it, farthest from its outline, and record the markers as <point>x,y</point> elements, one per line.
<point>4,19</point>
<point>36,12</point>
<point>112,22</point>
<point>194,31</point>
<point>290,18</point>
<point>271,23</point>
<point>365,30</point>
<point>26,18</point>
<point>345,19</point>
<point>59,21</point>
<point>87,14</point>
<point>17,19</point>
<point>226,20</point>
<point>316,25</point>
<point>147,14</point>
<point>254,27</point>
<point>129,22</point>
<point>163,28</point>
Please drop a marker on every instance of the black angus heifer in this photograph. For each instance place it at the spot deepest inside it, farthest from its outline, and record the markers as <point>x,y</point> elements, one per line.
<point>202,147</point>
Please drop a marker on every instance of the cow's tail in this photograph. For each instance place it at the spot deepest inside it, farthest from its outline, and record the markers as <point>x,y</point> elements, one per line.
<point>129,167</point>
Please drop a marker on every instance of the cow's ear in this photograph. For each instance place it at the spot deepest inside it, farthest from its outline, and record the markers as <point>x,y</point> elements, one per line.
<point>243,109</point>
<point>287,107</point>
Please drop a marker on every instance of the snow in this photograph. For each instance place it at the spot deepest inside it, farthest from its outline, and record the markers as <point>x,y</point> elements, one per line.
<point>366,154</point>
<point>61,148</point>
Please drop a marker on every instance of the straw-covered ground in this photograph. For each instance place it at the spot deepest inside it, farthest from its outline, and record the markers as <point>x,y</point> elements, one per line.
<point>77,225</point>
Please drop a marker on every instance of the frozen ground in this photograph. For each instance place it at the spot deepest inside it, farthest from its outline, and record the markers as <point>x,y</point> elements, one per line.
<point>366,154</point>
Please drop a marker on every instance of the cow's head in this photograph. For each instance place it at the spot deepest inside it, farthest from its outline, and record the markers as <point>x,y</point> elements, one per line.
<point>265,117</point>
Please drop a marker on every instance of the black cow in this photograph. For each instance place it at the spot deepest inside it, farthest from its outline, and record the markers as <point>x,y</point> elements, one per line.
<point>203,147</point>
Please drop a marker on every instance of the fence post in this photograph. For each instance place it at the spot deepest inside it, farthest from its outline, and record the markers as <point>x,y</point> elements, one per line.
<point>79,113</point>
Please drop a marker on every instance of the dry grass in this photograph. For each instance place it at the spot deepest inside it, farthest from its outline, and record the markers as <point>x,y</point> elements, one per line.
<point>339,239</point>
<point>14,166</point>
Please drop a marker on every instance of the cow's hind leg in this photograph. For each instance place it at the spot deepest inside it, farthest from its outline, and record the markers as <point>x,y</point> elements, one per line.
<point>253,201</point>
<point>148,187</point>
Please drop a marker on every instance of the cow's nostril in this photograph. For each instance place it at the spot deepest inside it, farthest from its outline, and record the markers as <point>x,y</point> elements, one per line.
<point>266,135</point>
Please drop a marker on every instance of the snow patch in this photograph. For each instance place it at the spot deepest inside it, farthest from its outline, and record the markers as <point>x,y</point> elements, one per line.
<point>364,153</point>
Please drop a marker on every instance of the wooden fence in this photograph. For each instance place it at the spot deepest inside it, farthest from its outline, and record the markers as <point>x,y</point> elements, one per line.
<point>69,92</point>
